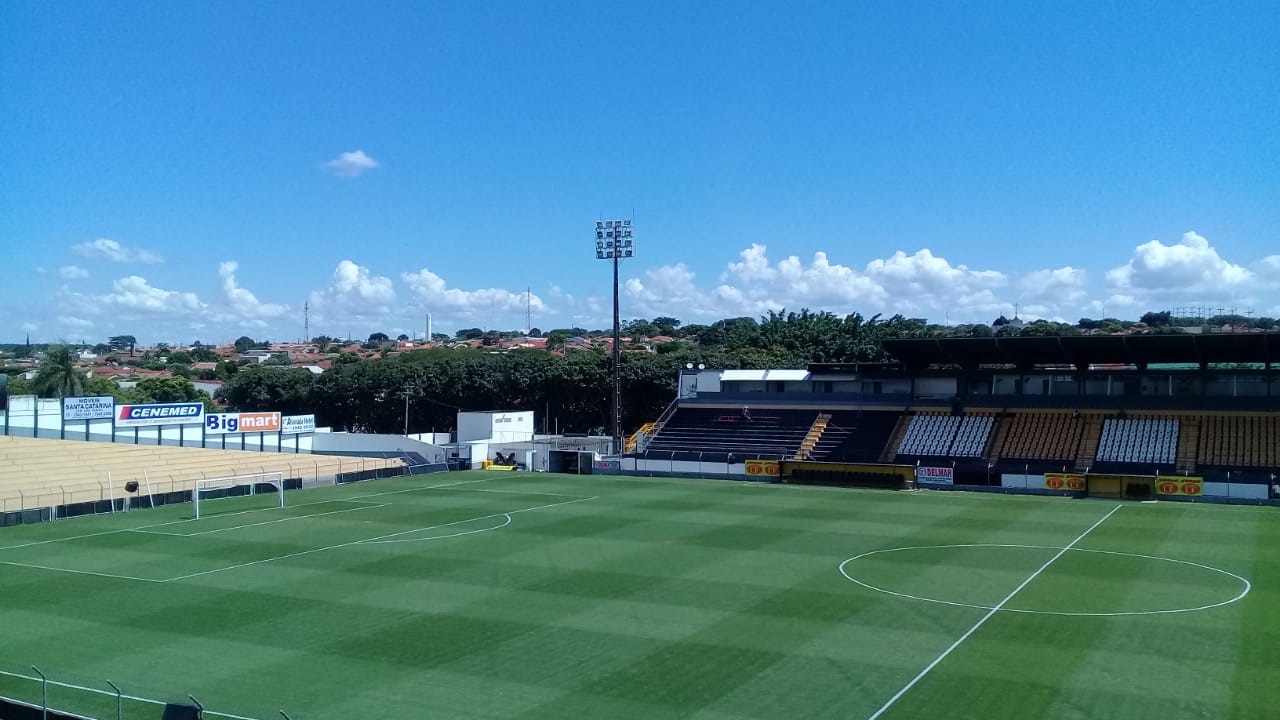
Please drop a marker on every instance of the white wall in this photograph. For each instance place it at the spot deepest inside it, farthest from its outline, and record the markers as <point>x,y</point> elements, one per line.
<point>361,442</point>
<point>497,426</point>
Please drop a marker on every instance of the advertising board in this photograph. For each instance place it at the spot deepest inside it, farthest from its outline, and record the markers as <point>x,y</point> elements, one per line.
<point>88,408</point>
<point>1178,485</point>
<point>297,424</point>
<point>763,468</point>
<point>230,423</point>
<point>935,475</point>
<point>1064,481</point>
<point>159,414</point>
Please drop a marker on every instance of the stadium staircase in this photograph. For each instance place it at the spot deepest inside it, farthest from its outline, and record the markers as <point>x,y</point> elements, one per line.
<point>646,430</point>
<point>998,438</point>
<point>900,431</point>
<point>856,437</point>
<point>702,429</point>
<point>1188,443</point>
<point>1090,436</point>
<point>812,437</point>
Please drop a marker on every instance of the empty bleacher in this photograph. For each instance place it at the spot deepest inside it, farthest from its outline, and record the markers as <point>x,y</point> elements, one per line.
<point>42,473</point>
<point>963,436</point>
<point>1139,440</point>
<point>723,430</point>
<point>1042,436</point>
<point>1240,441</point>
<point>855,437</point>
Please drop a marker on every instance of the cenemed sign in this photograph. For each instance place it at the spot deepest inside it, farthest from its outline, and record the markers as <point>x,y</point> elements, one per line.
<point>161,414</point>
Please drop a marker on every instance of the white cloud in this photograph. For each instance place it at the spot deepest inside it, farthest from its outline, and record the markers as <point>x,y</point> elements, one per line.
<point>353,293</point>
<point>484,303</point>
<point>73,272</point>
<point>242,303</point>
<point>107,249</point>
<point>134,293</point>
<point>351,164</point>
<point>30,326</point>
<point>916,284</point>
<point>1191,268</point>
<point>72,323</point>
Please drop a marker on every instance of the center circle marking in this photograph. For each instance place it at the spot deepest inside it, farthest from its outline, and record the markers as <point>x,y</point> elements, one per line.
<point>1246,586</point>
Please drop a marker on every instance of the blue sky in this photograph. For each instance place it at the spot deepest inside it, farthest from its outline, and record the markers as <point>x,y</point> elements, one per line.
<point>198,171</point>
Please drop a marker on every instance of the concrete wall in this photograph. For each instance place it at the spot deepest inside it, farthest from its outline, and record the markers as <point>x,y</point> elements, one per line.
<point>498,426</point>
<point>363,444</point>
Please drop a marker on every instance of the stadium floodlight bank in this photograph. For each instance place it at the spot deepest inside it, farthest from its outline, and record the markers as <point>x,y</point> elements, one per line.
<point>237,486</point>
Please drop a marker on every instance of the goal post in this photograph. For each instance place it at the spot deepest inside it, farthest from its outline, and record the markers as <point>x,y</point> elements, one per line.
<point>255,484</point>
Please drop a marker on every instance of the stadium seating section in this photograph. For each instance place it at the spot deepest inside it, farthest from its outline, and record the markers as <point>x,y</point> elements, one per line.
<point>1063,439</point>
<point>1139,440</point>
<point>1239,441</point>
<point>855,437</point>
<point>960,436</point>
<point>1042,436</point>
<point>724,430</point>
<point>37,473</point>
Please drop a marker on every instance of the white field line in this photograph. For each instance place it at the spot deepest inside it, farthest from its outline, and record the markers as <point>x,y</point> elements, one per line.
<point>928,668</point>
<point>241,512</point>
<point>134,698</point>
<point>499,526</point>
<point>524,492</point>
<point>363,506</point>
<point>79,572</point>
<point>369,540</point>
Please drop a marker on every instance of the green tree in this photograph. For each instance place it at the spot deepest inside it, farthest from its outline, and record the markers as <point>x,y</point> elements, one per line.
<point>278,360</point>
<point>244,344</point>
<point>203,354</point>
<point>120,342</point>
<point>268,389</point>
<point>180,357</point>
<point>166,390</point>
<point>58,376</point>
<point>378,338</point>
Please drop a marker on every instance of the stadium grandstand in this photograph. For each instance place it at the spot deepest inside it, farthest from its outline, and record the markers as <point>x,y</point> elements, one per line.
<point>1135,416</point>
<point>48,479</point>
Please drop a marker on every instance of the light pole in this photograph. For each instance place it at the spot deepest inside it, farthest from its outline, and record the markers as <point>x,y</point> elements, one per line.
<point>613,243</point>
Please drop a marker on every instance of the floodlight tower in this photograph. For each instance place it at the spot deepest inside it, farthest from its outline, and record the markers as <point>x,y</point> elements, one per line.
<point>613,243</point>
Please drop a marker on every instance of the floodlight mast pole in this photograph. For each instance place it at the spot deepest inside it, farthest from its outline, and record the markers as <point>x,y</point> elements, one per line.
<point>613,243</point>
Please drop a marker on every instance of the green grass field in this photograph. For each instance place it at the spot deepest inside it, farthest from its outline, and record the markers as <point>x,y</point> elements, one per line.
<point>549,596</point>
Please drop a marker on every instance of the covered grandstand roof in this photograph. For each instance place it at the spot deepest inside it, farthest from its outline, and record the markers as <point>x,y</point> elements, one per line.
<point>1083,351</point>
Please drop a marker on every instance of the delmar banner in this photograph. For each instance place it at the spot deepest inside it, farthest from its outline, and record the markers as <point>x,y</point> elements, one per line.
<point>229,423</point>
<point>762,468</point>
<point>163,414</point>
<point>1178,485</point>
<point>935,475</point>
<point>298,424</point>
<point>88,408</point>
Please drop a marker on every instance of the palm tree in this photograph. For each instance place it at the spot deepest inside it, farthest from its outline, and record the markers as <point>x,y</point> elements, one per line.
<point>58,375</point>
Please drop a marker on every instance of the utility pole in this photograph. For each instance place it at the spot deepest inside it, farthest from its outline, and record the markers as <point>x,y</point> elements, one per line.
<point>306,321</point>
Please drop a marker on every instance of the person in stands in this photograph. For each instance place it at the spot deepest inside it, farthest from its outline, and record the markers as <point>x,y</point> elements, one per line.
<point>746,414</point>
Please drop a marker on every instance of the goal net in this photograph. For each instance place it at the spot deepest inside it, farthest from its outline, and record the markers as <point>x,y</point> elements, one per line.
<point>261,490</point>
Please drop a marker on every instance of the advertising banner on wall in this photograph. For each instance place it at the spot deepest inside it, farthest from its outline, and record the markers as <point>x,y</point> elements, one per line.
<point>298,424</point>
<point>1178,485</point>
<point>935,475</point>
<point>88,408</point>
<point>763,468</point>
<point>230,423</point>
<point>160,414</point>
<point>1064,481</point>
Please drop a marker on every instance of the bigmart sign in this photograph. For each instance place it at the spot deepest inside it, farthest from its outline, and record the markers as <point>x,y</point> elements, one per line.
<point>229,423</point>
<point>162,414</point>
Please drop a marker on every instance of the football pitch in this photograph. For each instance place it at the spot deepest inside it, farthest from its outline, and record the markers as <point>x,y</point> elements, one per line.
<point>502,595</point>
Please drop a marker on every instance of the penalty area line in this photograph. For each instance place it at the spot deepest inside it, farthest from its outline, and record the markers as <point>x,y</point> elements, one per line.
<point>371,540</point>
<point>995,609</point>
